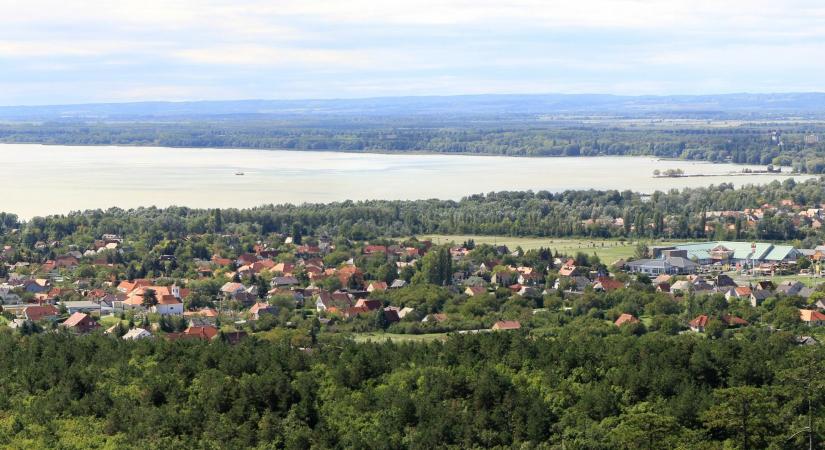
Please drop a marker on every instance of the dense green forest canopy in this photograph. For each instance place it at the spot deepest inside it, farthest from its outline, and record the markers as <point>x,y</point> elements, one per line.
<point>586,385</point>
<point>673,214</point>
<point>511,135</point>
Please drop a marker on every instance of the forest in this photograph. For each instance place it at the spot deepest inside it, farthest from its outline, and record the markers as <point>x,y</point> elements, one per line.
<point>674,214</point>
<point>527,136</point>
<point>584,385</point>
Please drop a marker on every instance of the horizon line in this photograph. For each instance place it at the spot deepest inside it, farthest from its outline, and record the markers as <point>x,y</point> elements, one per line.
<point>386,97</point>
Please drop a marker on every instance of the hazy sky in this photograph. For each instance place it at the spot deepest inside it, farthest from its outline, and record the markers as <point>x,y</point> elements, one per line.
<point>65,51</point>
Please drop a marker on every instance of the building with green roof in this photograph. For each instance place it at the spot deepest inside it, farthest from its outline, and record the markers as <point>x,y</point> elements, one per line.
<point>730,252</point>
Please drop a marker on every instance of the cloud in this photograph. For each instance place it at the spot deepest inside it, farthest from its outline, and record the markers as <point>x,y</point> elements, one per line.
<point>55,51</point>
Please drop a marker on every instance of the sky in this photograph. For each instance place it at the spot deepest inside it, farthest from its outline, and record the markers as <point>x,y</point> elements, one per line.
<point>79,51</point>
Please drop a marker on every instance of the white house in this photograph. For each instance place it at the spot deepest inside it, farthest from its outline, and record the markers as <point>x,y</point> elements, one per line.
<point>168,305</point>
<point>136,333</point>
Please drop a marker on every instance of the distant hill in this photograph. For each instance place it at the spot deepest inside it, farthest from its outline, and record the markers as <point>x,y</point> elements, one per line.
<point>699,106</point>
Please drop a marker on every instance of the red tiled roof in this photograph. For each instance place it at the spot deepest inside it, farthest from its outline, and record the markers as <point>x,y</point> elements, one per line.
<point>37,313</point>
<point>78,319</point>
<point>507,325</point>
<point>700,321</point>
<point>625,318</point>
<point>810,315</point>
<point>732,321</point>
<point>206,332</point>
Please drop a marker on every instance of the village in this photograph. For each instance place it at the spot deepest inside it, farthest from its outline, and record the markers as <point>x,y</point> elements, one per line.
<point>399,287</point>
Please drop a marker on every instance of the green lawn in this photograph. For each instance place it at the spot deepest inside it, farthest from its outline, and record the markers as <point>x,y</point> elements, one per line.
<point>3,320</point>
<point>108,321</point>
<point>608,250</point>
<point>364,337</point>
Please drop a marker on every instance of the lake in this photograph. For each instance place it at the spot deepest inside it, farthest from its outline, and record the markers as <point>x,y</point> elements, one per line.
<point>40,180</point>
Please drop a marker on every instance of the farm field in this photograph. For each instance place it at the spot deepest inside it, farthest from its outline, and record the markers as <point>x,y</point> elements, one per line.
<point>608,250</point>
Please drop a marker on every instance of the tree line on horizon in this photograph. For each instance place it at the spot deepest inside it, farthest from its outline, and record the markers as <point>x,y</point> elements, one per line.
<point>745,144</point>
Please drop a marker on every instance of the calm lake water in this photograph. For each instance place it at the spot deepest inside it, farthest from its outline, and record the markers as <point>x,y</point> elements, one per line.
<point>39,180</point>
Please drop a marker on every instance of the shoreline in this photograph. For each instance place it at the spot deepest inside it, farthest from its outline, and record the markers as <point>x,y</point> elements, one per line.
<point>375,152</point>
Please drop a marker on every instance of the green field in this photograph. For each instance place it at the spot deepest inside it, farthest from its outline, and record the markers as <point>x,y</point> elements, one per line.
<point>608,250</point>
<point>378,337</point>
<point>807,280</point>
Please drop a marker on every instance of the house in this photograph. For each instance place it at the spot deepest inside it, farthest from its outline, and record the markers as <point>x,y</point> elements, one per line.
<point>765,285</point>
<point>529,279</point>
<point>237,291</point>
<point>503,325</point>
<point>699,323</point>
<point>127,287</point>
<point>528,291</point>
<point>168,305</point>
<point>733,321</point>
<point>811,317</point>
<point>354,311</point>
<point>502,278</point>
<point>232,288</point>
<point>723,281</point>
<point>370,304</point>
<point>398,284</point>
<point>135,334</point>
<point>580,283</point>
<point>204,313</point>
<point>607,284</point>
<point>662,278</point>
<point>438,318</point>
<point>84,306</point>
<point>206,333</point>
<point>672,265</point>
<point>790,288</point>
<point>377,286</point>
<point>682,286</point>
<point>284,281</point>
<point>568,269</point>
<point>391,315</point>
<point>36,313</point>
<point>324,301</point>
<point>373,249</point>
<point>625,318</point>
<point>259,310</point>
<point>350,276</point>
<point>80,323</point>
<point>759,296</point>
<point>472,291</point>
<point>738,292</point>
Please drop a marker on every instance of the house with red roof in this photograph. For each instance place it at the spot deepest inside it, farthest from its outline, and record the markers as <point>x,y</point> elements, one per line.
<point>607,284</point>
<point>168,305</point>
<point>811,317</point>
<point>625,318</point>
<point>81,323</point>
<point>258,310</point>
<point>373,249</point>
<point>734,321</point>
<point>206,333</point>
<point>504,325</point>
<point>699,323</point>
<point>370,304</point>
<point>36,313</point>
